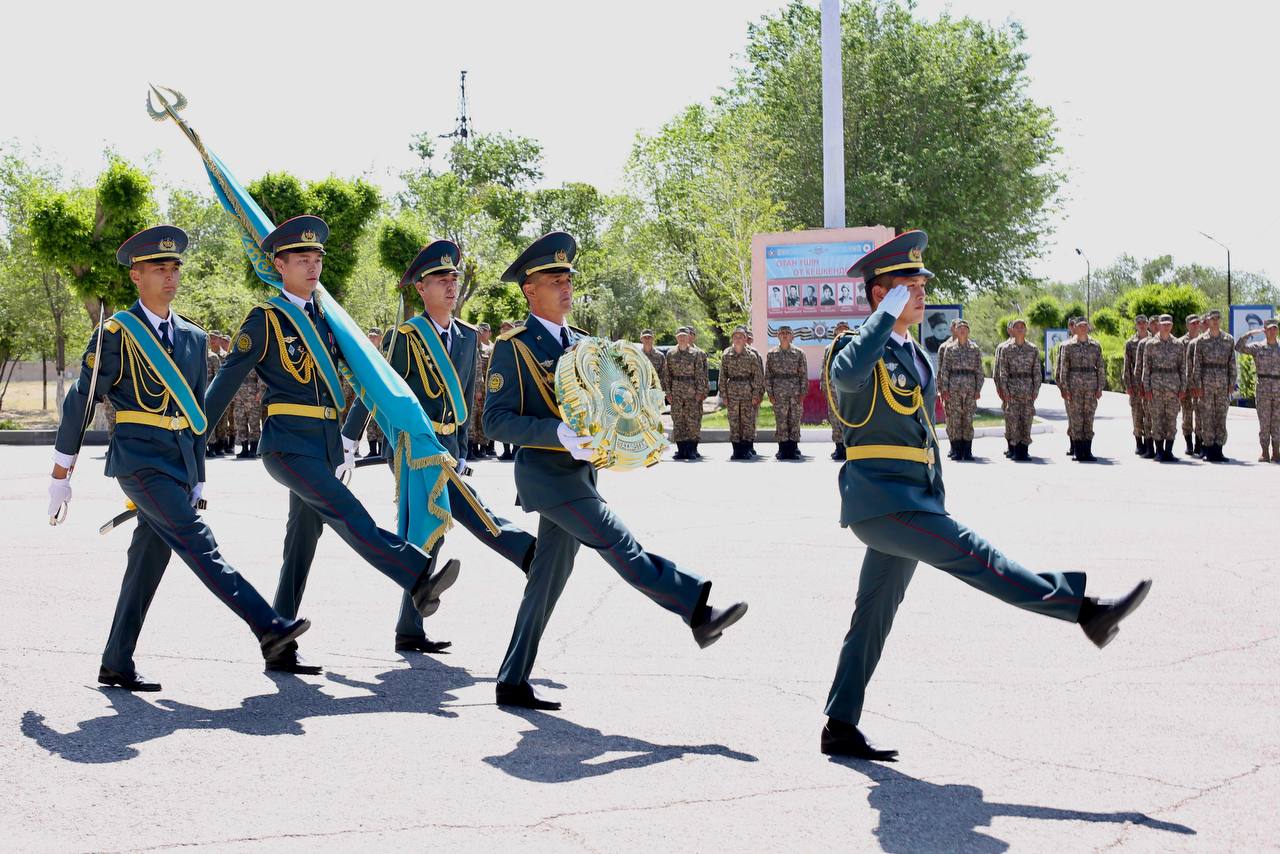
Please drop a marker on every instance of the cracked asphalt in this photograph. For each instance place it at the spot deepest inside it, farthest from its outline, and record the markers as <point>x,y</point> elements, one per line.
<point>1014,732</point>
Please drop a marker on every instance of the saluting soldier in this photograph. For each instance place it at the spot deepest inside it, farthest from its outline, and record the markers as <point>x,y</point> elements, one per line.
<point>686,382</point>
<point>1133,384</point>
<point>288,341</point>
<point>1266,358</point>
<point>837,435</point>
<point>654,355</point>
<point>892,494</point>
<point>436,354</point>
<point>1213,378</point>
<point>1164,385</point>
<point>1018,378</point>
<point>1189,429</point>
<point>481,447</point>
<point>153,367</point>
<point>555,480</point>
<point>741,387</point>
<point>1083,378</point>
<point>786,378</point>
<point>960,383</point>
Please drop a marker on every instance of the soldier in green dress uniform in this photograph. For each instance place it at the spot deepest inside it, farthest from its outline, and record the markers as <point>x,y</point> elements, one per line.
<point>892,495</point>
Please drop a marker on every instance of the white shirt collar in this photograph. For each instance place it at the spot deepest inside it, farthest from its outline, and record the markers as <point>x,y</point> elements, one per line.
<point>155,320</point>
<point>553,328</point>
<point>295,299</point>
<point>901,339</point>
<point>439,328</point>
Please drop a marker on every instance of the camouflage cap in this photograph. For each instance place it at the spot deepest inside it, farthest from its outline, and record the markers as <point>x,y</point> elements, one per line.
<point>1142,318</point>
<point>484,327</point>
<point>1271,323</point>
<point>1071,321</point>
<point>1193,318</point>
<point>684,330</point>
<point>646,333</point>
<point>784,328</point>
<point>1166,318</point>
<point>739,330</point>
<point>1016,321</point>
<point>1213,314</point>
<point>959,321</point>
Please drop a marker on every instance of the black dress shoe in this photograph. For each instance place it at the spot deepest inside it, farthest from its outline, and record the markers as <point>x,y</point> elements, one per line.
<point>1103,620</point>
<point>276,641</point>
<point>709,630</point>
<point>289,661</point>
<point>410,643</point>
<point>134,681</point>
<point>848,740</point>
<point>523,695</point>
<point>426,593</point>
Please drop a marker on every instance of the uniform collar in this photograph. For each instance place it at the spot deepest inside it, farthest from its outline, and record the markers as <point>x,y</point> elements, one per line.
<point>154,319</point>
<point>553,328</point>
<point>440,329</point>
<point>296,300</point>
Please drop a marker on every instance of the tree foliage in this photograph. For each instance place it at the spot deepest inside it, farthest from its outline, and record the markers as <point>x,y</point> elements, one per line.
<point>1154,300</point>
<point>940,132</point>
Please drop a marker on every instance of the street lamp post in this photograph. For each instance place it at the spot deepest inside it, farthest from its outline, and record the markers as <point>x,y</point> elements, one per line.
<point>1228,248</point>
<point>1088,284</point>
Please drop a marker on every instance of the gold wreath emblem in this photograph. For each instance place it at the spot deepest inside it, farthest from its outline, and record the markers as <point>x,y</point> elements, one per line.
<point>168,245</point>
<point>244,342</point>
<point>309,235</point>
<point>446,260</point>
<point>495,382</point>
<point>562,256</point>
<point>90,359</point>
<point>914,254</point>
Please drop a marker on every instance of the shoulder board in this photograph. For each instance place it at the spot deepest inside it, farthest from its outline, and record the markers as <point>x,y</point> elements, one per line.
<point>192,322</point>
<point>461,322</point>
<point>511,333</point>
<point>405,328</point>
<point>112,326</point>
<point>581,331</point>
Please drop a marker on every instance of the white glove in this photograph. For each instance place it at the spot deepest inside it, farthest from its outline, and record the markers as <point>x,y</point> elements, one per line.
<point>197,492</point>
<point>349,445</point>
<point>59,494</point>
<point>67,461</point>
<point>573,443</point>
<point>348,466</point>
<point>460,465</point>
<point>895,301</point>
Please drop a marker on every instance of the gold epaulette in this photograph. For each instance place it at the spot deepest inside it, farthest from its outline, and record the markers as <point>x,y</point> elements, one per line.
<point>405,328</point>
<point>112,326</point>
<point>581,331</point>
<point>511,333</point>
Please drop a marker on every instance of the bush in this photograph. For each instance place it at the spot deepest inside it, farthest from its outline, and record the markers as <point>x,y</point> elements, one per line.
<point>988,366</point>
<point>1002,324</point>
<point>1075,309</point>
<point>1248,377</point>
<point>1155,300</point>
<point>10,424</point>
<point>1045,313</point>
<point>1109,321</point>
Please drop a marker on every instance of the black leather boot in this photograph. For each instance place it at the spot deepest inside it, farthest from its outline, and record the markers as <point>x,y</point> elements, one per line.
<point>1190,448</point>
<point>838,453</point>
<point>1084,452</point>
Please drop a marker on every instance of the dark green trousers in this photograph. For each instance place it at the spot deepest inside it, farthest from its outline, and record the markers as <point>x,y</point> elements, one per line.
<point>895,544</point>
<point>590,522</point>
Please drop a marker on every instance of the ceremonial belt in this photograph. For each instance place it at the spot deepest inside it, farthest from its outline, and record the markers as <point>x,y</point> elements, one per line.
<point>151,419</point>
<point>302,410</point>
<point>163,366</point>
<point>890,452</point>
<point>319,352</point>
<point>744,378</point>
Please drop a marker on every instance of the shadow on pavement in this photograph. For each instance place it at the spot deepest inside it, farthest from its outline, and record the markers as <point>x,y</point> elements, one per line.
<point>421,688</point>
<point>557,751</point>
<point>916,815</point>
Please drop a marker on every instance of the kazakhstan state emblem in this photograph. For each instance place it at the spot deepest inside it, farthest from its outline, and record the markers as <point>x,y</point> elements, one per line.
<point>608,390</point>
<point>446,260</point>
<point>309,235</point>
<point>914,254</point>
<point>562,256</point>
<point>168,245</point>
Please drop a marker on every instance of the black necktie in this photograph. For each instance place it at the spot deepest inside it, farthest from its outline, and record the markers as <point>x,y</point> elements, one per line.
<point>444,339</point>
<point>564,337</point>
<point>164,335</point>
<point>311,312</point>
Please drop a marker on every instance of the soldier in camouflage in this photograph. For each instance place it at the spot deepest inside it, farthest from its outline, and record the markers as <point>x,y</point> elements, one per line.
<point>653,354</point>
<point>1164,385</point>
<point>995,373</point>
<point>1057,376</point>
<point>837,434</point>
<point>1133,384</point>
<point>1189,429</point>
<point>1018,375</point>
<point>786,375</point>
<point>481,447</point>
<point>960,384</point>
<point>1148,416</point>
<point>685,379</point>
<point>1213,377</point>
<point>248,407</point>
<point>741,388</point>
<point>1082,378</point>
<point>1266,358</point>
<point>225,434</point>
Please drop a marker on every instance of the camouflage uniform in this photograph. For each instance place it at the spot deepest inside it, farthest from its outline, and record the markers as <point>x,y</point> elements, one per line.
<point>1148,415</point>
<point>786,377</point>
<point>741,386</point>
<point>1018,375</point>
<point>1266,357</point>
<point>658,361</point>
<point>1082,376</point>
<point>1163,372</point>
<point>248,406</point>
<point>476,430</point>
<point>685,380</point>
<point>960,379</point>
<point>1189,403</point>
<point>212,448</point>
<point>1133,388</point>
<point>1214,375</point>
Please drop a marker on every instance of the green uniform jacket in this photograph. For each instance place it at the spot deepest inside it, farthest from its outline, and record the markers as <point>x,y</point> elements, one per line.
<point>520,409</point>
<point>877,487</point>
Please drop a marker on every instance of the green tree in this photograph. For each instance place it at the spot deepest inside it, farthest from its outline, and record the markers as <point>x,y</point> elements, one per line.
<point>77,232</point>
<point>1154,300</point>
<point>348,206</point>
<point>1109,321</point>
<point>214,291</point>
<point>1046,312</point>
<point>940,133</point>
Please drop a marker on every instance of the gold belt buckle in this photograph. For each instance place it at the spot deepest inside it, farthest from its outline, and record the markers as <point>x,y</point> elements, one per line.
<point>330,412</point>
<point>447,429</point>
<point>931,457</point>
<point>175,423</point>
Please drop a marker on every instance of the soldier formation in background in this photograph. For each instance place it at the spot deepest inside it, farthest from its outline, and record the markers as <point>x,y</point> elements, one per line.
<point>685,379</point>
<point>1017,378</point>
<point>787,381</point>
<point>1082,377</point>
<point>1266,358</point>
<point>960,384</point>
<point>742,389</point>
